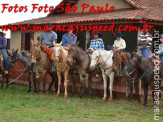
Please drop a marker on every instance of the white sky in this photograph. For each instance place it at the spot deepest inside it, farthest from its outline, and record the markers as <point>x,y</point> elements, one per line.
<point>6,17</point>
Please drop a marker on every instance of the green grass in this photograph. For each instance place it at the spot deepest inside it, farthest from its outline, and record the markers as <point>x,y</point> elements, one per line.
<point>17,105</point>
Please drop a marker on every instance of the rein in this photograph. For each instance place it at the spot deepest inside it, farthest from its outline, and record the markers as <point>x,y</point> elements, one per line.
<point>20,71</point>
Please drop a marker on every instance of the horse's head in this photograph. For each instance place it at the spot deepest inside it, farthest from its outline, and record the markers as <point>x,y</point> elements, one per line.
<point>95,60</point>
<point>117,60</point>
<point>129,65</point>
<point>72,53</point>
<point>35,52</point>
<point>14,57</point>
<point>57,51</point>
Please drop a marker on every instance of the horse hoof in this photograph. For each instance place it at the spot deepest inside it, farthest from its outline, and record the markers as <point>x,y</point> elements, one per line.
<point>143,106</point>
<point>138,103</point>
<point>57,96</point>
<point>104,98</point>
<point>110,100</point>
<point>65,96</point>
<point>28,91</point>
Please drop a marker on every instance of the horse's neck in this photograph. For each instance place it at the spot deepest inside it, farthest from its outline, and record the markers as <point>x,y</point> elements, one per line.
<point>64,54</point>
<point>83,59</point>
<point>106,59</point>
<point>23,59</point>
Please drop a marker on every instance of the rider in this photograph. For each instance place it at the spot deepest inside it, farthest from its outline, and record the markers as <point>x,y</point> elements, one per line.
<point>145,41</point>
<point>161,48</point>
<point>119,43</point>
<point>3,45</point>
<point>96,43</point>
<point>47,37</point>
<point>67,38</point>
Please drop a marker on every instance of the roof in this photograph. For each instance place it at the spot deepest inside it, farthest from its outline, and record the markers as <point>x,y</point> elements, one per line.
<point>150,10</point>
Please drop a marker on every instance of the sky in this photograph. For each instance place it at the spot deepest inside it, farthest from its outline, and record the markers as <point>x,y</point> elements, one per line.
<point>11,17</point>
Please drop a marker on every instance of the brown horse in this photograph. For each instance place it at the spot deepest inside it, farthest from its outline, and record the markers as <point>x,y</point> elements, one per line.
<point>82,61</point>
<point>131,78</point>
<point>42,63</point>
<point>2,72</point>
<point>60,55</point>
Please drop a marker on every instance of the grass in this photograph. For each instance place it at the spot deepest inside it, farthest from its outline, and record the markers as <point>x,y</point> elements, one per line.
<point>18,106</point>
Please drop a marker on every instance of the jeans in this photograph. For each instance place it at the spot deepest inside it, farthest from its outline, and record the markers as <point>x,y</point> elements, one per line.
<point>161,56</point>
<point>5,58</point>
<point>145,52</point>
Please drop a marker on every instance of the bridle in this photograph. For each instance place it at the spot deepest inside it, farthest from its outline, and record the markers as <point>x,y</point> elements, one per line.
<point>130,73</point>
<point>36,49</point>
<point>98,61</point>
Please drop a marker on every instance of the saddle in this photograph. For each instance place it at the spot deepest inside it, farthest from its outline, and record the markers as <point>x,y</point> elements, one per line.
<point>49,52</point>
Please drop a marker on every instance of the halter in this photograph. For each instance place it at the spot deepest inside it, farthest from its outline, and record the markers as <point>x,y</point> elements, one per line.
<point>37,51</point>
<point>98,62</point>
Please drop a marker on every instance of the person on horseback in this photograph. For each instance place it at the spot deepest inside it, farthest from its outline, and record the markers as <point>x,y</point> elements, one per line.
<point>96,43</point>
<point>3,45</point>
<point>47,37</point>
<point>160,52</point>
<point>67,38</point>
<point>145,42</point>
<point>119,43</point>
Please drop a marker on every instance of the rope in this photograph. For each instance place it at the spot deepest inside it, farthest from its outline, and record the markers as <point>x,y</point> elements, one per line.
<point>17,77</point>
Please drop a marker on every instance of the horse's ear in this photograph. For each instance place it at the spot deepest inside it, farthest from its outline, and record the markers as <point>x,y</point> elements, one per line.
<point>71,43</point>
<point>60,43</point>
<point>16,51</point>
<point>53,42</point>
<point>32,42</point>
<point>77,43</point>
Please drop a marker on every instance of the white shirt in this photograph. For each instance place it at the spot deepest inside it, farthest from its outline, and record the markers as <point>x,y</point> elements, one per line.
<point>121,44</point>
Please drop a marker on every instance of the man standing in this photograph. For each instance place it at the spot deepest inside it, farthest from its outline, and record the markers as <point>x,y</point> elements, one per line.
<point>67,38</point>
<point>145,42</point>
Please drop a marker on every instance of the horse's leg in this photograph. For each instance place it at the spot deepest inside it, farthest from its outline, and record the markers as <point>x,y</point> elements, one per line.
<point>131,91</point>
<point>65,83</point>
<point>44,80</point>
<point>34,82</point>
<point>137,92</point>
<point>7,80</point>
<point>105,84</point>
<point>2,83</point>
<point>50,86</point>
<point>111,85</point>
<point>81,86</point>
<point>127,87</point>
<point>145,94</point>
<point>29,81</point>
<point>89,85</point>
<point>59,83</point>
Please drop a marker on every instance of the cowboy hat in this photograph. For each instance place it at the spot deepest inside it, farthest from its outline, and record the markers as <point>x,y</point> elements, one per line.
<point>161,35</point>
<point>118,34</point>
<point>97,33</point>
<point>2,32</point>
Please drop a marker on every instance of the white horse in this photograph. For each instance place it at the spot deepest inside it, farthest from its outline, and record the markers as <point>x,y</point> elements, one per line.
<point>103,59</point>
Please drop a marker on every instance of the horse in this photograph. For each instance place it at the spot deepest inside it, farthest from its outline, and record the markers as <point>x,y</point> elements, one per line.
<point>2,72</point>
<point>43,65</point>
<point>80,59</point>
<point>119,63</point>
<point>24,57</point>
<point>62,67</point>
<point>103,59</point>
<point>146,68</point>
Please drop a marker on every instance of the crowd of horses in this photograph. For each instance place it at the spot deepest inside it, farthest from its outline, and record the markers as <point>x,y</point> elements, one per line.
<point>136,69</point>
